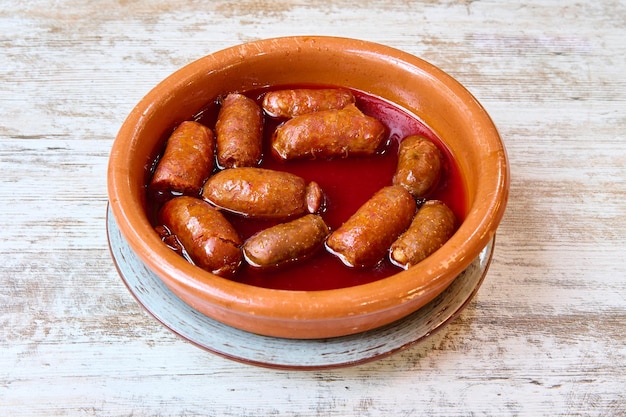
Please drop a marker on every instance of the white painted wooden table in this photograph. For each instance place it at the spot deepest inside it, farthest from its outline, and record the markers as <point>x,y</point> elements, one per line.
<point>546,333</point>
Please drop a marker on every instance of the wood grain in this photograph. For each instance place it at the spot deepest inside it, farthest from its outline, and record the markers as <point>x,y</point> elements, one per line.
<point>545,334</point>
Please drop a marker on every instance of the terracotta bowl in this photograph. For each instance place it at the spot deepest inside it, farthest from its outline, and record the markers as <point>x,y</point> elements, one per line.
<point>413,84</point>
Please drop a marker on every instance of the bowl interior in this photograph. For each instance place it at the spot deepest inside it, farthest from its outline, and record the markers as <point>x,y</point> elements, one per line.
<point>438,100</point>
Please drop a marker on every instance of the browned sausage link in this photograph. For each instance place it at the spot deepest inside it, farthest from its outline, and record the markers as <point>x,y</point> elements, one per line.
<point>208,238</point>
<point>296,102</point>
<point>262,193</point>
<point>364,239</point>
<point>330,133</point>
<point>419,166</point>
<point>187,160</point>
<point>286,242</point>
<point>239,131</point>
<point>432,226</point>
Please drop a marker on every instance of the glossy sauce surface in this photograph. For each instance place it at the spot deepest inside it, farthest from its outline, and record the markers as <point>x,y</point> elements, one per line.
<point>347,183</point>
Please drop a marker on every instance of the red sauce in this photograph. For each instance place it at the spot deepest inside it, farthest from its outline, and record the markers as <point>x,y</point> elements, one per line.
<point>347,184</point>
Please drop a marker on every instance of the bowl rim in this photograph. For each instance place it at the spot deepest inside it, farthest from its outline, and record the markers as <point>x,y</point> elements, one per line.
<point>231,297</point>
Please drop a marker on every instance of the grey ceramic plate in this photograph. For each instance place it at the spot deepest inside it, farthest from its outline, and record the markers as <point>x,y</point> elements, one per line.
<point>274,352</point>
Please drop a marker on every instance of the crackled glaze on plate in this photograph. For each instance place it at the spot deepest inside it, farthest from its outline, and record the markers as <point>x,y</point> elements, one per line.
<point>275,352</point>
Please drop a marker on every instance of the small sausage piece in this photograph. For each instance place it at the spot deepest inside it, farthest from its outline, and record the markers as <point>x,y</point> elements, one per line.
<point>364,239</point>
<point>419,166</point>
<point>286,242</point>
<point>239,131</point>
<point>187,160</point>
<point>209,239</point>
<point>329,133</point>
<point>262,193</point>
<point>431,227</point>
<point>296,102</point>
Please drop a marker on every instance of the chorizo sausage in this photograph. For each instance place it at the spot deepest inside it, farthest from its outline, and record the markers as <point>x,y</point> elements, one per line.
<point>431,227</point>
<point>262,193</point>
<point>239,131</point>
<point>295,102</point>
<point>286,242</point>
<point>419,166</point>
<point>364,239</point>
<point>206,235</point>
<point>187,161</point>
<point>327,134</point>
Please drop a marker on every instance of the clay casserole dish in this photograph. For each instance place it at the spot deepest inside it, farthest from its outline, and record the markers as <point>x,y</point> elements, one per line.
<point>411,83</point>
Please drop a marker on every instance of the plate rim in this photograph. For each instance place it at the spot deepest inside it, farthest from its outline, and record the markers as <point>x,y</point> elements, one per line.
<point>484,264</point>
